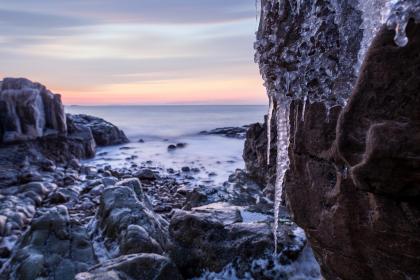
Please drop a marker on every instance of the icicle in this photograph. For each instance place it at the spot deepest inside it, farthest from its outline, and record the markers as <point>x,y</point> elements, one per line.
<point>282,160</point>
<point>401,13</point>
<point>304,107</point>
<point>269,119</point>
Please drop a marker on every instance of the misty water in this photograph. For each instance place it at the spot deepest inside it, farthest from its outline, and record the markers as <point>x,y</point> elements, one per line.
<point>159,126</point>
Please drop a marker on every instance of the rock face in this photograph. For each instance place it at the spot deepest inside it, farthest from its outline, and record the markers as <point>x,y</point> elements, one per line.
<point>255,155</point>
<point>29,111</point>
<point>104,133</point>
<point>360,173</point>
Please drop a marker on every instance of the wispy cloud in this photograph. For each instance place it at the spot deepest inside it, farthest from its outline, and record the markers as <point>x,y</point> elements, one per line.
<point>86,45</point>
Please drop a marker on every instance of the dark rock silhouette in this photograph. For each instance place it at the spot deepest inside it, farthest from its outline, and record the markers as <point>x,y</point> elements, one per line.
<point>354,187</point>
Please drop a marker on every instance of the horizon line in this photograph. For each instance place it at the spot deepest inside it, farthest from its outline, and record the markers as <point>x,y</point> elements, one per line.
<point>125,105</point>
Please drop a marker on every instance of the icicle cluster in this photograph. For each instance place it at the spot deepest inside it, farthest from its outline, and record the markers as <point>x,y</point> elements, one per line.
<point>320,64</point>
<point>315,66</point>
<point>374,15</point>
<point>401,13</point>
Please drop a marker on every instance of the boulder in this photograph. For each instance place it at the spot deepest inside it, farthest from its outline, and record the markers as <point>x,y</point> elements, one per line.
<point>211,237</point>
<point>125,217</point>
<point>146,175</point>
<point>104,133</point>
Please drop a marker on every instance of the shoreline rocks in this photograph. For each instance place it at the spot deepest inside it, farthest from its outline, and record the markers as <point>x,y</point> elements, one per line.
<point>62,219</point>
<point>230,132</point>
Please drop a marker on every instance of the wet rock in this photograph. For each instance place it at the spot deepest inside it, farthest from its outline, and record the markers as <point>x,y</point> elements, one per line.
<point>53,243</point>
<point>103,132</point>
<point>185,169</point>
<point>74,164</point>
<point>181,145</point>
<point>136,266</point>
<point>47,165</point>
<point>171,147</point>
<point>195,197</point>
<point>137,240</point>
<point>109,181</point>
<point>126,205</point>
<point>231,132</point>
<point>146,174</point>
<point>212,236</point>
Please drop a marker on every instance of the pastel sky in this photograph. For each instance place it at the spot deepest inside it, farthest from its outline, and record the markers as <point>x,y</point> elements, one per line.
<point>134,51</point>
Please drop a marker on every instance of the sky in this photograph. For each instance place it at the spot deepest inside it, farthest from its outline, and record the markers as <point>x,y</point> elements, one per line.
<point>97,52</point>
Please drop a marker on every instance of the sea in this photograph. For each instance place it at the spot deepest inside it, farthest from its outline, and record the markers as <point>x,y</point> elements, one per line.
<point>160,126</point>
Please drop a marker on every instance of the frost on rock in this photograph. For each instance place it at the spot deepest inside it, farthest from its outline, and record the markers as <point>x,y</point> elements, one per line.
<point>374,15</point>
<point>401,12</point>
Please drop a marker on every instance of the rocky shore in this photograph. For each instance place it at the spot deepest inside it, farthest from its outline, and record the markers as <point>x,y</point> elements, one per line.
<point>61,218</point>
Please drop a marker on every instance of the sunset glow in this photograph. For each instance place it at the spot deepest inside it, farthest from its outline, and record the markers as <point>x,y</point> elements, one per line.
<point>134,52</point>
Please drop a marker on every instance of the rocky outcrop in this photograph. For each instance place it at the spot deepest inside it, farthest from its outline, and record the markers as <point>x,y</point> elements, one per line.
<point>32,116</point>
<point>360,173</point>
<point>104,133</point>
<point>230,132</point>
<point>255,155</point>
<point>29,111</point>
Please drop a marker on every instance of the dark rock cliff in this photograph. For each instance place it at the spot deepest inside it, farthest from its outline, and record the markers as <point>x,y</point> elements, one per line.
<point>354,185</point>
<point>353,181</point>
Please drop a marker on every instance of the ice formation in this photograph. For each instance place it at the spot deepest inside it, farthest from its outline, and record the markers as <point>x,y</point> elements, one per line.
<point>322,63</point>
<point>401,13</point>
<point>282,160</point>
<point>269,120</point>
<point>374,15</point>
